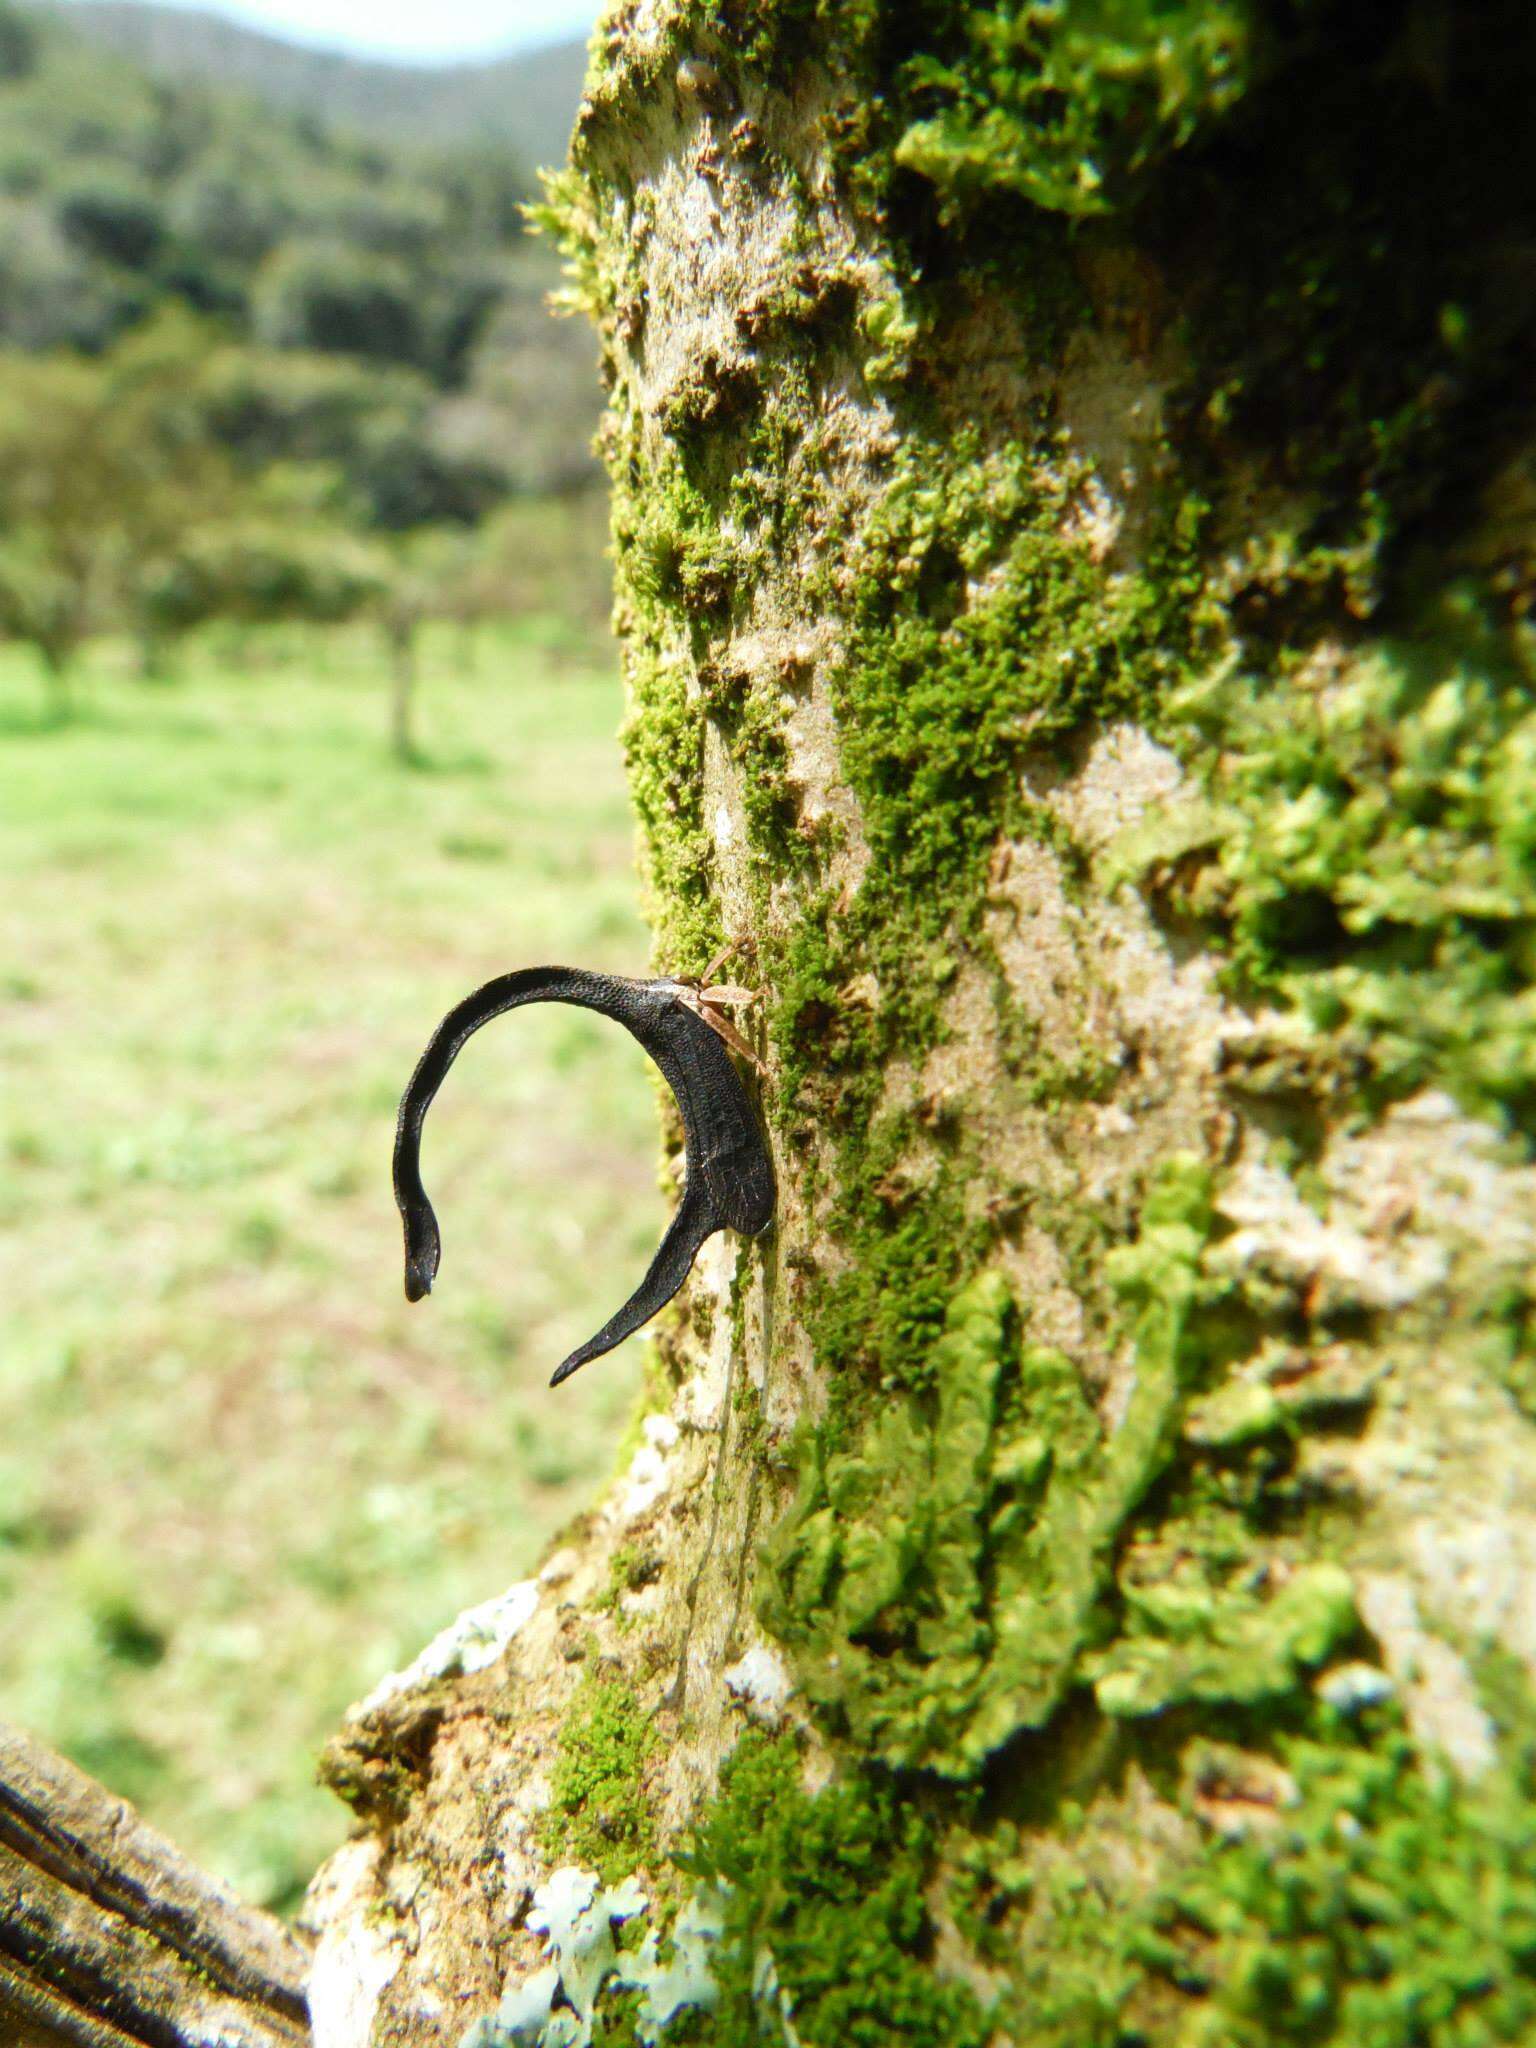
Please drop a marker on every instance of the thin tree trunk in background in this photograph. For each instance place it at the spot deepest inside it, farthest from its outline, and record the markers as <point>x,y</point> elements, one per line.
<point>402,690</point>
<point>154,659</point>
<point>1073,516</point>
<point>57,682</point>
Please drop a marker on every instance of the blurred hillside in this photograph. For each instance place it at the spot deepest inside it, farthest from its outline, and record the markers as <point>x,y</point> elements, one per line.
<point>124,192</point>
<point>256,364</point>
<point>526,102</point>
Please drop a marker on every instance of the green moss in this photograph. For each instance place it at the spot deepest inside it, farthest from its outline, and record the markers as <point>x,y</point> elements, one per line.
<point>1505,1343</point>
<point>1386,1909</point>
<point>1363,842</point>
<point>1064,105</point>
<point>598,1815</point>
<point>664,749</point>
<point>673,545</point>
<point>566,215</point>
<point>980,633</point>
<point>716,390</point>
<point>825,1916</point>
<point>942,1574</point>
<point>1324,1890</point>
<point>629,1568</point>
<point>982,629</point>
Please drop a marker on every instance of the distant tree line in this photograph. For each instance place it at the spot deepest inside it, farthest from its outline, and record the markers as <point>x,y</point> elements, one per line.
<point>252,367</point>
<point>118,191</point>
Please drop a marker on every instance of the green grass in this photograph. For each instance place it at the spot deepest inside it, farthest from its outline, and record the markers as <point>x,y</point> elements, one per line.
<point>239,1477</point>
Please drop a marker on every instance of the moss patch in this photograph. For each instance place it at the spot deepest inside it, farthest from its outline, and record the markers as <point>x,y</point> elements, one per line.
<point>1066,105</point>
<point>825,1916</point>
<point>1385,1910</point>
<point>946,1574</point>
<point>1365,844</point>
<point>598,1815</point>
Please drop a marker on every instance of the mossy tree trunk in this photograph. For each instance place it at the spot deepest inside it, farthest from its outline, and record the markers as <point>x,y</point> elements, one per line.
<point>1073,505</point>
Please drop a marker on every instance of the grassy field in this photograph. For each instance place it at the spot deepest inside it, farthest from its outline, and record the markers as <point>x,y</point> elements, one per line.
<point>239,1476</point>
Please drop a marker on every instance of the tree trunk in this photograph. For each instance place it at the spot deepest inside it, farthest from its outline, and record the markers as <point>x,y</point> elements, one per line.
<point>57,663</point>
<point>1073,513</point>
<point>154,653</point>
<point>401,634</point>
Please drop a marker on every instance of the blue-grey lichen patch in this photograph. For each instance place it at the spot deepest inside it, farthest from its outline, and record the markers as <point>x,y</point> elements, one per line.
<point>554,2007</point>
<point>685,1981</point>
<point>557,2006</point>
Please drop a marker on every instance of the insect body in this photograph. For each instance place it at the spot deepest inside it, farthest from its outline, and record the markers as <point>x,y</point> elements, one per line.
<point>711,1000</point>
<point>728,1174</point>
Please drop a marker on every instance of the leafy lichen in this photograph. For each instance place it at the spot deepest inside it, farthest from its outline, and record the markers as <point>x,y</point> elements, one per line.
<point>1364,842</point>
<point>947,1574</point>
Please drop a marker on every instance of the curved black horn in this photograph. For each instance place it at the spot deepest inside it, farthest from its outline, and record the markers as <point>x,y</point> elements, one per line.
<point>729,1175</point>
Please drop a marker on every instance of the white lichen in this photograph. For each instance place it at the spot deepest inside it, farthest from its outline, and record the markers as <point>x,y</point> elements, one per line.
<point>474,1641</point>
<point>556,2005</point>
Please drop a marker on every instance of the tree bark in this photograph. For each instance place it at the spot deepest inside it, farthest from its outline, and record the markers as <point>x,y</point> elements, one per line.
<point>110,1939</point>
<point>1073,524</point>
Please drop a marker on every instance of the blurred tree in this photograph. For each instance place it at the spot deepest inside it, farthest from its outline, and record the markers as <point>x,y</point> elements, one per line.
<point>339,300</point>
<point>539,555</point>
<point>229,211</point>
<point>292,406</point>
<point>18,44</point>
<point>485,190</point>
<point>59,516</point>
<point>390,219</point>
<point>174,481</point>
<point>113,215</point>
<point>428,574</point>
<point>528,401</point>
<point>106,475</point>
<point>408,479</point>
<point>464,301</point>
<point>280,549</point>
<point>376,426</point>
<point>51,294</point>
<point>258,569</point>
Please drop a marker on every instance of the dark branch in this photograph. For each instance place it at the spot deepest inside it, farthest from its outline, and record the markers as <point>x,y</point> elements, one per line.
<point>110,1938</point>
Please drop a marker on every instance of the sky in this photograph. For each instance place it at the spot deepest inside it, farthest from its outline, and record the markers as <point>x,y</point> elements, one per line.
<point>407,29</point>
